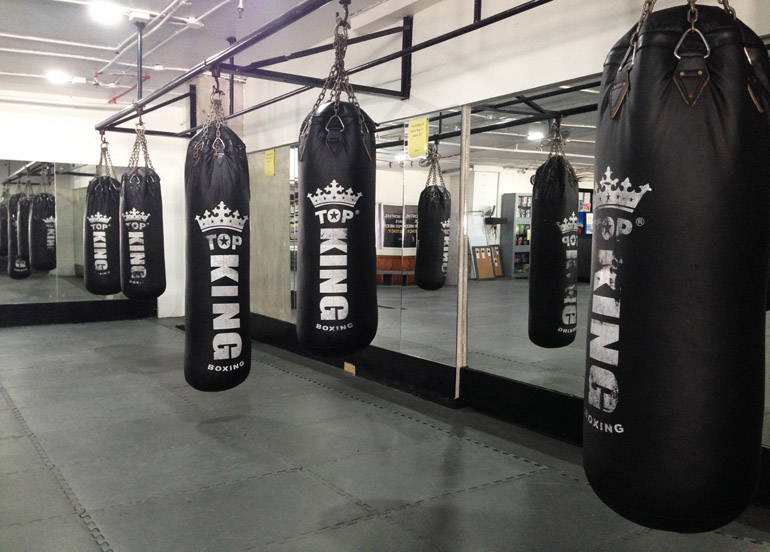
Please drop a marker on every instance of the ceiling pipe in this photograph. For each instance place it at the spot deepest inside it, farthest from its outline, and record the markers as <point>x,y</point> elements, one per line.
<point>54,41</point>
<point>152,26</point>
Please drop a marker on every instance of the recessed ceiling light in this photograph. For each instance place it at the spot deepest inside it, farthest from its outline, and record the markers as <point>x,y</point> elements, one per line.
<point>58,77</point>
<point>105,12</point>
<point>535,136</point>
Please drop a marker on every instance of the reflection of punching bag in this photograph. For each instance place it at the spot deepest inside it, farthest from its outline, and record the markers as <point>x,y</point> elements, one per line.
<point>675,349</point>
<point>336,268</point>
<point>101,231</point>
<point>42,229</point>
<point>18,265</point>
<point>4,225</point>
<point>142,258</point>
<point>217,329</point>
<point>433,210</point>
<point>553,251</point>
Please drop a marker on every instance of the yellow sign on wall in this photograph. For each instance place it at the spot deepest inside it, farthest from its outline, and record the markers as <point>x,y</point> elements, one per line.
<point>418,137</point>
<point>270,162</point>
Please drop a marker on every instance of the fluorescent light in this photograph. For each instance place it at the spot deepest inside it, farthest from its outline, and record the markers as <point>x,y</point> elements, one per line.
<point>58,77</point>
<point>106,12</point>
<point>535,135</point>
<point>400,157</point>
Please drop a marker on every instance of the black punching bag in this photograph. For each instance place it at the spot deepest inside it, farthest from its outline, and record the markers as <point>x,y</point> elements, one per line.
<point>42,232</point>
<point>4,224</point>
<point>433,210</point>
<point>675,349</point>
<point>337,265</point>
<point>142,257</point>
<point>217,330</point>
<point>553,251</point>
<point>18,264</point>
<point>101,234</point>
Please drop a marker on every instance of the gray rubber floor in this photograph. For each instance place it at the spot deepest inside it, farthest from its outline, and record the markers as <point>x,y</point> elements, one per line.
<point>103,446</point>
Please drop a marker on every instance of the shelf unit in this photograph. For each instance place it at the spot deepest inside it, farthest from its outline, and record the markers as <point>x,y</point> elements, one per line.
<point>515,235</point>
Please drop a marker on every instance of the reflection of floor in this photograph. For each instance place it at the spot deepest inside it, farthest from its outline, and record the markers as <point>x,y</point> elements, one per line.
<point>43,287</point>
<point>422,323</point>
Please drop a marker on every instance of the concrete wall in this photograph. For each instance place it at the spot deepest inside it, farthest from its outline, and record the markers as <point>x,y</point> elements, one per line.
<point>270,212</point>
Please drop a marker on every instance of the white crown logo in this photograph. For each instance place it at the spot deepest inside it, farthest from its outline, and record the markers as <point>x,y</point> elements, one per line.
<point>445,224</point>
<point>221,218</point>
<point>135,216</point>
<point>334,194</point>
<point>569,224</point>
<point>624,196</point>
<point>50,220</point>
<point>98,217</point>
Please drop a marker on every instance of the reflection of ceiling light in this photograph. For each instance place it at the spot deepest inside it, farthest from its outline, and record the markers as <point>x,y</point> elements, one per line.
<point>106,13</point>
<point>58,77</point>
<point>159,67</point>
<point>400,157</point>
<point>535,136</point>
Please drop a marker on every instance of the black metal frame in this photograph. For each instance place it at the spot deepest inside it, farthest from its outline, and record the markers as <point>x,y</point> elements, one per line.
<point>255,69</point>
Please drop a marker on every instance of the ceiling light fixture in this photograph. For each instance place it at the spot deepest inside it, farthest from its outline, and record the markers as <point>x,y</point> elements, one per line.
<point>58,77</point>
<point>106,13</point>
<point>535,136</point>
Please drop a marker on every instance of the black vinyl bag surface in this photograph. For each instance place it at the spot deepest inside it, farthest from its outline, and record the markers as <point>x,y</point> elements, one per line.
<point>676,343</point>
<point>553,254</point>
<point>4,224</point>
<point>337,265</point>
<point>101,235</point>
<point>142,255</point>
<point>42,232</point>
<point>217,326</point>
<point>18,264</point>
<point>433,213</point>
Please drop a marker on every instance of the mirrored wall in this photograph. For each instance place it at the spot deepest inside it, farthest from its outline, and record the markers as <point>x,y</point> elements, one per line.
<point>60,278</point>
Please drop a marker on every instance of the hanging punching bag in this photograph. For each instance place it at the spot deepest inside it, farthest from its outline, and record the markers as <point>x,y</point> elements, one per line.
<point>433,210</point>
<point>553,251</point>
<point>217,329</point>
<point>18,264</point>
<point>101,231</point>
<point>142,257</point>
<point>42,228</point>
<point>675,349</point>
<point>337,264</point>
<point>4,224</point>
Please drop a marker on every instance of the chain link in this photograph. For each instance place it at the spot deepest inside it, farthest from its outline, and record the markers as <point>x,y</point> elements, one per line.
<point>216,116</point>
<point>557,140</point>
<point>338,81</point>
<point>105,168</point>
<point>140,146</point>
<point>435,168</point>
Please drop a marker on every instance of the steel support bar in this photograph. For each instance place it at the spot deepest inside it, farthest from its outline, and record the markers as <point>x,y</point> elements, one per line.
<point>139,56</point>
<point>299,79</point>
<point>461,352</point>
<point>280,22</point>
<point>406,61</point>
<point>149,132</point>
<point>153,108</point>
<point>452,34</point>
<point>497,126</point>
<point>326,47</point>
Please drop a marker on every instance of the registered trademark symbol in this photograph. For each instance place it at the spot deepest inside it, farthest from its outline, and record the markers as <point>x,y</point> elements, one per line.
<point>357,211</point>
<point>640,221</point>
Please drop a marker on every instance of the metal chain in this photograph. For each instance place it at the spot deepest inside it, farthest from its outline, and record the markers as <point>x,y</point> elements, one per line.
<point>338,81</point>
<point>215,115</point>
<point>435,169</point>
<point>140,144</point>
<point>557,140</point>
<point>105,168</point>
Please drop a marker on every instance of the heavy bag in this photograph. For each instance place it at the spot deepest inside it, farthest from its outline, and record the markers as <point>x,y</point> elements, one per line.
<point>553,253</point>
<point>4,225</point>
<point>22,226</point>
<point>18,264</point>
<point>337,265</point>
<point>42,232</point>
<point>433,210</point>
<point>101,235</point>
<point>142,257</point>
<point>675,348</point>
<point>217,330</point>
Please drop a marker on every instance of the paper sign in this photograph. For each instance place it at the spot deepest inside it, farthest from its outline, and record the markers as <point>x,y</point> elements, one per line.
<point>270,162</point>
<point>418,137</point>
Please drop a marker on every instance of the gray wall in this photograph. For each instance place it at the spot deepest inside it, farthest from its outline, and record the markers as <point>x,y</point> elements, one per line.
<point>270,269</point>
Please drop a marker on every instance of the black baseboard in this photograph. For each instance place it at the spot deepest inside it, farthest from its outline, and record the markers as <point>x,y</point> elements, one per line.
<point>423,378</point>
<point>75,312</point>
<point>543,410</point>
